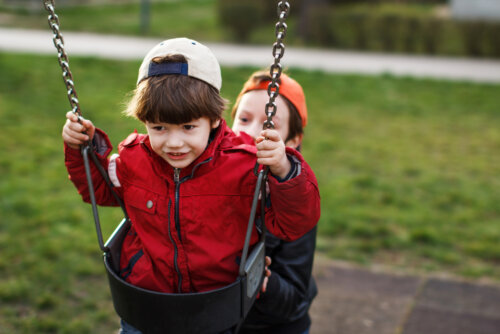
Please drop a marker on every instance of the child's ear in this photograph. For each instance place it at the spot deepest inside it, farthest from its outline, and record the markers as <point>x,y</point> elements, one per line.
<point>295,141</point>
<point>216,124</point>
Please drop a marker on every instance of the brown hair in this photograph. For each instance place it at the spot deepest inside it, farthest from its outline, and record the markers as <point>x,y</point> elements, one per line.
<point>174,98</point>
<point>295,127</point>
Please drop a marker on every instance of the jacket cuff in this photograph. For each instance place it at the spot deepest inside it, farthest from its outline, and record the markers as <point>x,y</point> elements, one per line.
<point>296,160</point>
<point>294,170</point>
<point>101,144</point>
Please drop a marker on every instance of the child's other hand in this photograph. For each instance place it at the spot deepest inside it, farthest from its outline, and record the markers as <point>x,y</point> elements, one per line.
<point>267,273</point>
<point>271,152</point>
<point>72,133</point>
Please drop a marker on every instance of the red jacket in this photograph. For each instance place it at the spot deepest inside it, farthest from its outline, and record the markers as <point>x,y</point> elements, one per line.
<point>187,236</point>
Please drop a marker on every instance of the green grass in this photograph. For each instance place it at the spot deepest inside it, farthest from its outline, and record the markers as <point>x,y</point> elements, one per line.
<point>409,174</point>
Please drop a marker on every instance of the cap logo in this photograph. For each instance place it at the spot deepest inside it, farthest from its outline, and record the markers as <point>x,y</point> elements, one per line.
<point>156,69</point>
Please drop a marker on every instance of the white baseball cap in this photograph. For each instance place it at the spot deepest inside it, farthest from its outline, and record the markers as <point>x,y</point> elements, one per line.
<point>201,62</point>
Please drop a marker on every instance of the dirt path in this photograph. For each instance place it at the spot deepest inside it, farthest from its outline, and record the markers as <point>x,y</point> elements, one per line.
<point>353,300</point>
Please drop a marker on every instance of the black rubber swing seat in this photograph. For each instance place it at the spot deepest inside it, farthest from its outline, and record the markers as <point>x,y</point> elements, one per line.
<point>152,312</point>
<point>209,312</point>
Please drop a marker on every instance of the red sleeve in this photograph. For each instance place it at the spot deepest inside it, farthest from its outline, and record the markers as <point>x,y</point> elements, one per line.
<point>295,204</point>
<point>76,170</point>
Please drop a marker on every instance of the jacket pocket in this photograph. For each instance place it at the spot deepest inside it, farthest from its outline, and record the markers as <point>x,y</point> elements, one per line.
<point>144,200</point>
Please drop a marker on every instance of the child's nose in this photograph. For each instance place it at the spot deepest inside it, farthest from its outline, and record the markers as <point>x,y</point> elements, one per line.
<point>173,141</point>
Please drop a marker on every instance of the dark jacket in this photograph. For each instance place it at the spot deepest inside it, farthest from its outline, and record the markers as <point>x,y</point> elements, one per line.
<point>284,307</point>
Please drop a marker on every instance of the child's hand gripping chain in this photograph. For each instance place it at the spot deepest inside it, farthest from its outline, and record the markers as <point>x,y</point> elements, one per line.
<point>75,132</point>
<point>271,152</point>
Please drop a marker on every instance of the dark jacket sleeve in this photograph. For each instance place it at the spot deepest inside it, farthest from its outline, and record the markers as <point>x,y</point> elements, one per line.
<point>76,170</point>
<point>295,203</point>
<point>291,287</point>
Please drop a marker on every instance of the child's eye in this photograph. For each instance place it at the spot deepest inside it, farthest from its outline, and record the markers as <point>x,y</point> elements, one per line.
<point>188,127</point>
<point>158,128</point>
<point>243,119</point>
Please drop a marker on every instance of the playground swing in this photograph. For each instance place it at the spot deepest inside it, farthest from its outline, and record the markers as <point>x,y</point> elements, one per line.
<point>149,311</point>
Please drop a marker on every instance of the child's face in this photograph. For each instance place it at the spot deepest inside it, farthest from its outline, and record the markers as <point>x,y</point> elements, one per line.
<point>250,115</point>
<point>180,144</point>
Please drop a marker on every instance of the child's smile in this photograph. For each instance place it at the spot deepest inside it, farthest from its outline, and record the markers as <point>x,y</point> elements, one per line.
<point>176,155</point>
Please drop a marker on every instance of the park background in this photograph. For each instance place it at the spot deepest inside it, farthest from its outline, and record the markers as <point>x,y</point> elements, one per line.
<point>408,168</point>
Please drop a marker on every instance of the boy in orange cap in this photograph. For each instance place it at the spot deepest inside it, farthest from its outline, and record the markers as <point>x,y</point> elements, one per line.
<point>288,294</point>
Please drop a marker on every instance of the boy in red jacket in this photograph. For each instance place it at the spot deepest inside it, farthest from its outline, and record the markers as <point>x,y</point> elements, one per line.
<point>188,183</point>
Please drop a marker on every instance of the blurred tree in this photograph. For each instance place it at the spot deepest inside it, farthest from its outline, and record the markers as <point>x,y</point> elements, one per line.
<point>241,17</point>
<point>145,16</point>
<point>473,34</point>
<point>306,7</point>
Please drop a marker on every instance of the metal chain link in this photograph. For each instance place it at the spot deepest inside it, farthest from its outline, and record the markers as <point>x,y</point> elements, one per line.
<point>62,57</point>
<point>276,69</point>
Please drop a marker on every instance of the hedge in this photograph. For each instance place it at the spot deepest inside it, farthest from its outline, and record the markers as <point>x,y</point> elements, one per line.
<point>397,33</point>
<point>365,28</point>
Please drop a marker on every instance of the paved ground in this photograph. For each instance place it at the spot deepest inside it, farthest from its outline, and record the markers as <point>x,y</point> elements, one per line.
<point>331,61</point>
<point>350,300</point>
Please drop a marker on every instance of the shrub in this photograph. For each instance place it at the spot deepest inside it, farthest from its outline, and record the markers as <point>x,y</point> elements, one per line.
<point>411,34</point>
<point>387,31</point>
<point>359,27</point>
<point>431,34</point>
<point>362,29</point>
<point>321,30</point>
<point>351,2</point>
<point>492,39</point>
<point>241,17</point>
<point>366,27</point>
<point>473,36</point>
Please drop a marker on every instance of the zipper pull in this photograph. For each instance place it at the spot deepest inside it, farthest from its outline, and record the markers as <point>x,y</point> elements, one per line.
<point>177,172</point>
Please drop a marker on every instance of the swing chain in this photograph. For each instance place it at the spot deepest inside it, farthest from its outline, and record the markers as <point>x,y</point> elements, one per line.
<point>276,68</point>
<point>62,57</point>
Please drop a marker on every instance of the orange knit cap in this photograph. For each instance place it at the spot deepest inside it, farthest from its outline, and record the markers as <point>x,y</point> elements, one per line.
<point>288,88</point>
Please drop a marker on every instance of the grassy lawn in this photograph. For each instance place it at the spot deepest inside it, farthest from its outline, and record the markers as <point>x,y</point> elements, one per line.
<point>409,173</point>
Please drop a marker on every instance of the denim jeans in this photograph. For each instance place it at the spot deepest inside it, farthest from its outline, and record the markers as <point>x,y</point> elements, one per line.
<point>129,329</point>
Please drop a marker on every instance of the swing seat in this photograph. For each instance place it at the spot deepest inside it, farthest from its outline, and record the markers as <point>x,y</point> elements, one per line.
<point>210,312</point>
<point>152,312</point>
